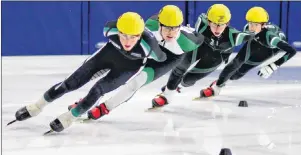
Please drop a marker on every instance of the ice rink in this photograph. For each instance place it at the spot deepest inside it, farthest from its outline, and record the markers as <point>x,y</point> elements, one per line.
<point>271,125</point>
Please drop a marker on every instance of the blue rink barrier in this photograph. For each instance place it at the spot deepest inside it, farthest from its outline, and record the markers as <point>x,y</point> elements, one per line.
<point>73,28</point>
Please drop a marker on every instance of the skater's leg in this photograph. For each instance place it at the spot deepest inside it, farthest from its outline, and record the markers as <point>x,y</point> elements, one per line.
<point>109,83</point>
<point>174,81</point>
<point>152,72</point>
<point>242,71</point>
<point>77,79</point>
<point>187,80</point>
<point>201,70</point>
<point>178,72</point>
<point>191,78</point>
<point>126,92</point>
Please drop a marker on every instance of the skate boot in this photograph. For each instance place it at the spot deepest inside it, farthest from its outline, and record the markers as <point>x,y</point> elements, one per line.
<point>29,111</point>
<point>98,111</point>
<point>62,122</point>
<point>163,98</point>
<point>73,105</point>
<point>159,101</point>
<point>212,90</point>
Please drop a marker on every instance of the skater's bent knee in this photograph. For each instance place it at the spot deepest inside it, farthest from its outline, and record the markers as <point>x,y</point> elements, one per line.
<point>55,92</point>
<point>186,83</point>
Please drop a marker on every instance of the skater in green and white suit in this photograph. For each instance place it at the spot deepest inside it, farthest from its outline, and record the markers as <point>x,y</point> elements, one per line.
<point>269,41</point>
<point>220,39</point>
<point>174,39</point>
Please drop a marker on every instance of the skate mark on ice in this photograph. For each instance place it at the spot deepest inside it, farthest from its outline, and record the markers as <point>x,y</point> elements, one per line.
<point>199,115</point>
<point>252,101</point>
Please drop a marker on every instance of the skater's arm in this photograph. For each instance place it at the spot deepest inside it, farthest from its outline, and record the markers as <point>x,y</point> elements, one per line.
<point>201,24</point>
<point>189,39</point>
<point>152,23</point>
<point>110,29</point>
<point>150,44</point>
<point>290,51</point>
<point>237,37</point>
<point>242,56</point>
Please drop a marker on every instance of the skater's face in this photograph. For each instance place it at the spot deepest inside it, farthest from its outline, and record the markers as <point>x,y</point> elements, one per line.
<point>255,27</point>
<point>169,33</point>
<point>128,41</point>
<point>217,29</point>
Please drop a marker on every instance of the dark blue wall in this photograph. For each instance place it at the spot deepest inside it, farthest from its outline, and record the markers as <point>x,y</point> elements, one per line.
<point>294,22</point>
<point>37,28</point>
<point>52,28</point>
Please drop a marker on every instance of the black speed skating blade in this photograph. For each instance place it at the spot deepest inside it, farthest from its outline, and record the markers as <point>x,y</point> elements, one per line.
<point>48,132</point>
<point>11,122</point>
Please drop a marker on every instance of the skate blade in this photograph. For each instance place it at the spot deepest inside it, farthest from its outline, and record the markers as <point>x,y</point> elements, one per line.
<point>48,132</point>
<point>83,120</point>
<point>154,109</point>
<point>201,98</point>
<point>86,120</point>
<point>196,99</point>
<point>11,122</point>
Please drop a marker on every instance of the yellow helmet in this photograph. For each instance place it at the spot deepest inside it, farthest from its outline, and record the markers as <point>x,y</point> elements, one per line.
<point>130,23</point>
<point>257,15</point>
<point>219,14</point>
<point>170,15</point>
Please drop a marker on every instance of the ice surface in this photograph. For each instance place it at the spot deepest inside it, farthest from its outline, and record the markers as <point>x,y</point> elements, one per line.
<point>271,125</point>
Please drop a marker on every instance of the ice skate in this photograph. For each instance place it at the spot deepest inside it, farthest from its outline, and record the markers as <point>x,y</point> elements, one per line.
<point>29,111</point>
<point>212,90</point>
<point>62,122</point>
<point>161,100</point>
<point>98,111</point>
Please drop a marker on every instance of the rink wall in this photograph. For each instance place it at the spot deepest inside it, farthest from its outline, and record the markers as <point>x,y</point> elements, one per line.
<point>73,28</point>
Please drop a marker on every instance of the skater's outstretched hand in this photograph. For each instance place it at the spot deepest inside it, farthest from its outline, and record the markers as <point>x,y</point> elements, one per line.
<point>266,71</point>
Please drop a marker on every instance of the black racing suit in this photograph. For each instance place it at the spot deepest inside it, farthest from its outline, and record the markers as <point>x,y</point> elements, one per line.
<point>186,41</point>
<point>265,45</point>
<point>208,57</point>
<point>122,65</point>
